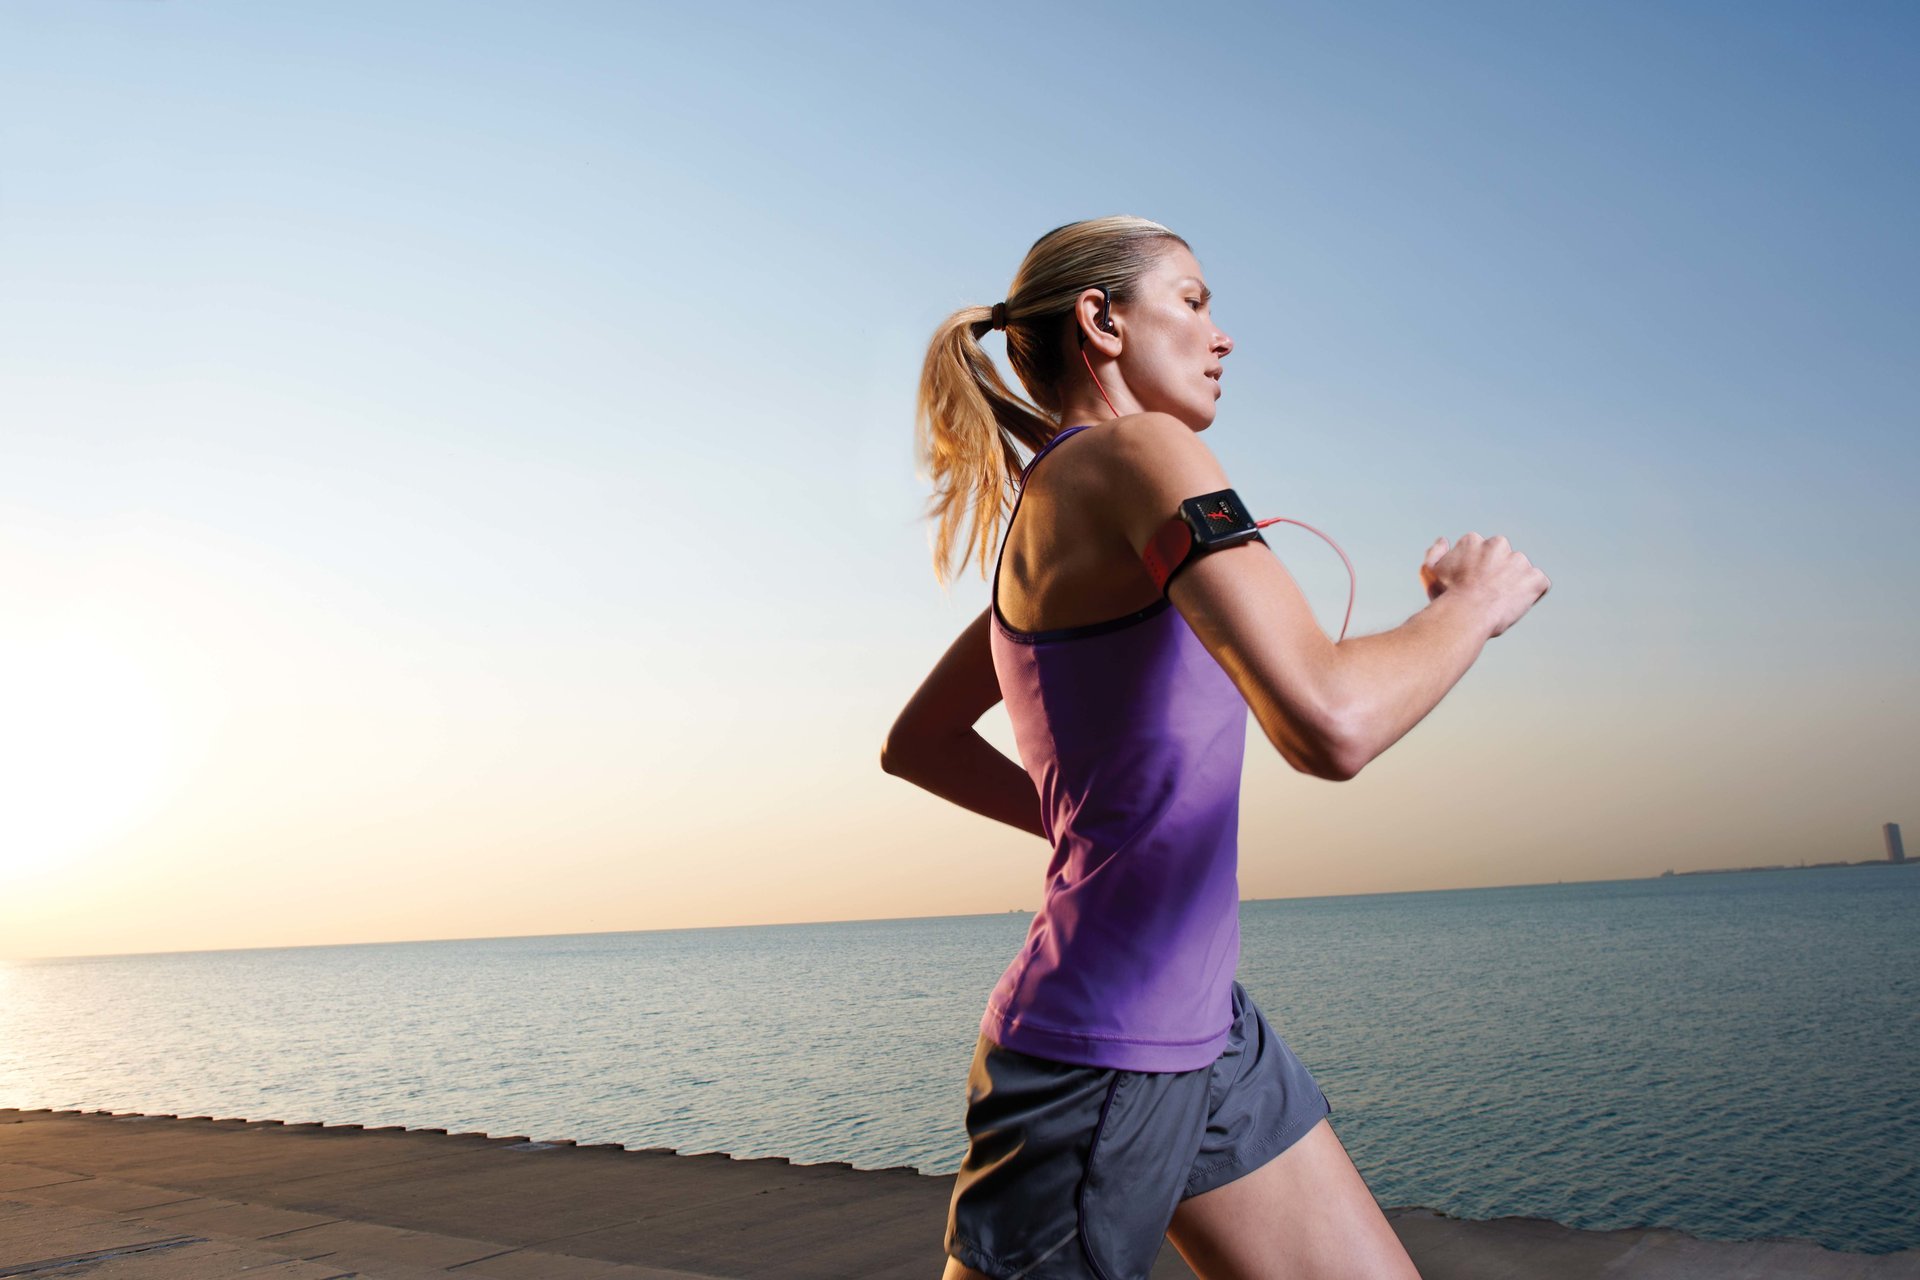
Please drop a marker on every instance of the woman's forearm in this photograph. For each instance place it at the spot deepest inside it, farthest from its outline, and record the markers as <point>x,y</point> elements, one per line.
<point>1394,679</point>
<point>966,769</point>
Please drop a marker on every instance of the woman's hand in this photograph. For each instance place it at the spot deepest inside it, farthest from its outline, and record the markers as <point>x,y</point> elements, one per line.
<point>1505,582</point>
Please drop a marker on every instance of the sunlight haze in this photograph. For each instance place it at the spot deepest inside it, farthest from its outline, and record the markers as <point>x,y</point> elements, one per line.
<point>456,461</point>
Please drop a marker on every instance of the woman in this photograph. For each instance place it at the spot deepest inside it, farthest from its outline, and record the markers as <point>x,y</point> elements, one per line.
<point>1124,1088</point>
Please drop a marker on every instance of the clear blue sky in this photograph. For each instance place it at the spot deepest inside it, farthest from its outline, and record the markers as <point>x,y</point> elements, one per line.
<point>370,375</point>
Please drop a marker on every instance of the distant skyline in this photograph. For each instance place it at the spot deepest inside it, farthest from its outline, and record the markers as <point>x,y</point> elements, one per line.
<point>368,376</point>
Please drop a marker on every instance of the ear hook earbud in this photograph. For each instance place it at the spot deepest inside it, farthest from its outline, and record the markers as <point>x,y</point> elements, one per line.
<point>1103,320</point>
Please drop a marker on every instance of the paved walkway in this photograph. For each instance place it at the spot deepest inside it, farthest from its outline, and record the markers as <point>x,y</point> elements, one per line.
<point>108,1197</point>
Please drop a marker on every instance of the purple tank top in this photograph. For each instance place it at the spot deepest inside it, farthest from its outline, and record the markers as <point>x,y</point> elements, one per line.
<point>1134,736</point>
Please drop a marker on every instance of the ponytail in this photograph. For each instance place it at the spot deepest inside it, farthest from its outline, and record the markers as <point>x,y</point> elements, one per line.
<point>967,421</point>
<point>967,424</point>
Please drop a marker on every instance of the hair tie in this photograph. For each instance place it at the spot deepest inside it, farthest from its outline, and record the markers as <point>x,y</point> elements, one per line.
<point>999,315</point>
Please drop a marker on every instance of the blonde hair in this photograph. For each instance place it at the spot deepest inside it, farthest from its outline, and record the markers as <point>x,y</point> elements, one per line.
<point>967,421</point>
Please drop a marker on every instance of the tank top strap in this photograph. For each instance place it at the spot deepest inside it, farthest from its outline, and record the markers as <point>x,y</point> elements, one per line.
<point>1058,436</point>
<point>1006,535</point>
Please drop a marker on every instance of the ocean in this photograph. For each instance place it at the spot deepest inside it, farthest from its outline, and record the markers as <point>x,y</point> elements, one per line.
<point>1732,1055</point>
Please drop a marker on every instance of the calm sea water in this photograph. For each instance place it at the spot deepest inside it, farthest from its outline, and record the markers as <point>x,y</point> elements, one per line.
<point>1736,1056</point>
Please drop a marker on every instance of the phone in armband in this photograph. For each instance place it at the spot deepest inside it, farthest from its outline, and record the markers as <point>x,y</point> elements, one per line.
<point>1206,523</point>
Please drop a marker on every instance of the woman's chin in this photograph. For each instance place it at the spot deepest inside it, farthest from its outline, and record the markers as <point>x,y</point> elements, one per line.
<point>1198,417</point>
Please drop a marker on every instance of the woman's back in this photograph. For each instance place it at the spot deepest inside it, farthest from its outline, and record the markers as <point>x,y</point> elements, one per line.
<point>1134,737</point>
<point>1064,563</point>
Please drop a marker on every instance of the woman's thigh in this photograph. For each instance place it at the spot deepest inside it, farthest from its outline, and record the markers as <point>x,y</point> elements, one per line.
<point>1306,1214</point>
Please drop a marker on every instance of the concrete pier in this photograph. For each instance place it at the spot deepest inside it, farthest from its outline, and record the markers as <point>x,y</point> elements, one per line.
<point>111,1196</point>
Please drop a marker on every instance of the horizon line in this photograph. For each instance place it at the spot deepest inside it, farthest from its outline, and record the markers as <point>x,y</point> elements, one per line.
<point>778,924</point>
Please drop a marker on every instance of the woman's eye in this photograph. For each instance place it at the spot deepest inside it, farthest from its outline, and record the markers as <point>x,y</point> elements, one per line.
<point>1195,302</point>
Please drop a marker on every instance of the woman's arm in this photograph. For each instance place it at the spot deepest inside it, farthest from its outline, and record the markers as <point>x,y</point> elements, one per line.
<point>934,745</point>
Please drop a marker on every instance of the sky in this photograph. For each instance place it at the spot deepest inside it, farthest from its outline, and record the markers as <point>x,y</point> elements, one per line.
<point>456,459</point>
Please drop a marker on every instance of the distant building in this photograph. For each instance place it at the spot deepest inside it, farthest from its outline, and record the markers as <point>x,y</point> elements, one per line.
<point>1895,853</point>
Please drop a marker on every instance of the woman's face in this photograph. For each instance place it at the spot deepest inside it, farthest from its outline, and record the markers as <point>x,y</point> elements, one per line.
<point>1170,347</point>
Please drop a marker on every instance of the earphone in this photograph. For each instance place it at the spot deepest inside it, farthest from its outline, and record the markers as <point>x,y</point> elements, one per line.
<point>1104,322</point>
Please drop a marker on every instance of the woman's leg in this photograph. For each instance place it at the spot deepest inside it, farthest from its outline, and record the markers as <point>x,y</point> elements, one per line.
<point>1306,1214</point>
<point>958,1270</point>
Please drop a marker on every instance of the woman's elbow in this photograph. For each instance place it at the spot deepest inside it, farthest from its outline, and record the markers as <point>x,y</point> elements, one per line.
<point>1326,752</point>
<point>1312,760</point>
<point>1340,771</point>
<point>1343,750</point>
<point>897,756</point>
<point>1332,768</point>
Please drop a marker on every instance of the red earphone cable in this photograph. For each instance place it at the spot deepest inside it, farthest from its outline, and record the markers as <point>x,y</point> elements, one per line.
<point>1353,579</point>
<point>1096,379</point>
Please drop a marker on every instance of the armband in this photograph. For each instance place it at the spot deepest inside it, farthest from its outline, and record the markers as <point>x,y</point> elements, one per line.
<point>1203,524</point>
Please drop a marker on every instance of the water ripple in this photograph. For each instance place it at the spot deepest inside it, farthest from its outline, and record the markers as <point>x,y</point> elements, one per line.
<point>1730,1056</point>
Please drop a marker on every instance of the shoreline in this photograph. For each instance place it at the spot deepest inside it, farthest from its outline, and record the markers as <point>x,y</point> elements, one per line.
<point>318,1201</point>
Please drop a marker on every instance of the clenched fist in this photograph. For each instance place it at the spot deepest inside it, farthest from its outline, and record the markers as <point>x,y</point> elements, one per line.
<point>1501,580</point>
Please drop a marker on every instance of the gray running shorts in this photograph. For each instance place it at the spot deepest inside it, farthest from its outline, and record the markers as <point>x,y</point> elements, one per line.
<point>1073,1172</point>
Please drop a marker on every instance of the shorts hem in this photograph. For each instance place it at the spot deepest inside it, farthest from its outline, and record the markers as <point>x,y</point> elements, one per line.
<point>987,1264</point>
<point>969,1256</point>
<point>1218,1175</point>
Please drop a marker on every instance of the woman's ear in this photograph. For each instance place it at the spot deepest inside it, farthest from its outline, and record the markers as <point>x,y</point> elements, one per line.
<point>1100,318</point>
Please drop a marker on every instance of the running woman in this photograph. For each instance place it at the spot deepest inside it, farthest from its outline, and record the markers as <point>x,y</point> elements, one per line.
<point>1125,1089</point>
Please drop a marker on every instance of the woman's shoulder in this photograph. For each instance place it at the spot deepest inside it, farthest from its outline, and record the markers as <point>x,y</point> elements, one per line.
<point>1134,471</point>
<point>1110,452</point>
<point>1132,432</point>
<point>1087,479</point>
